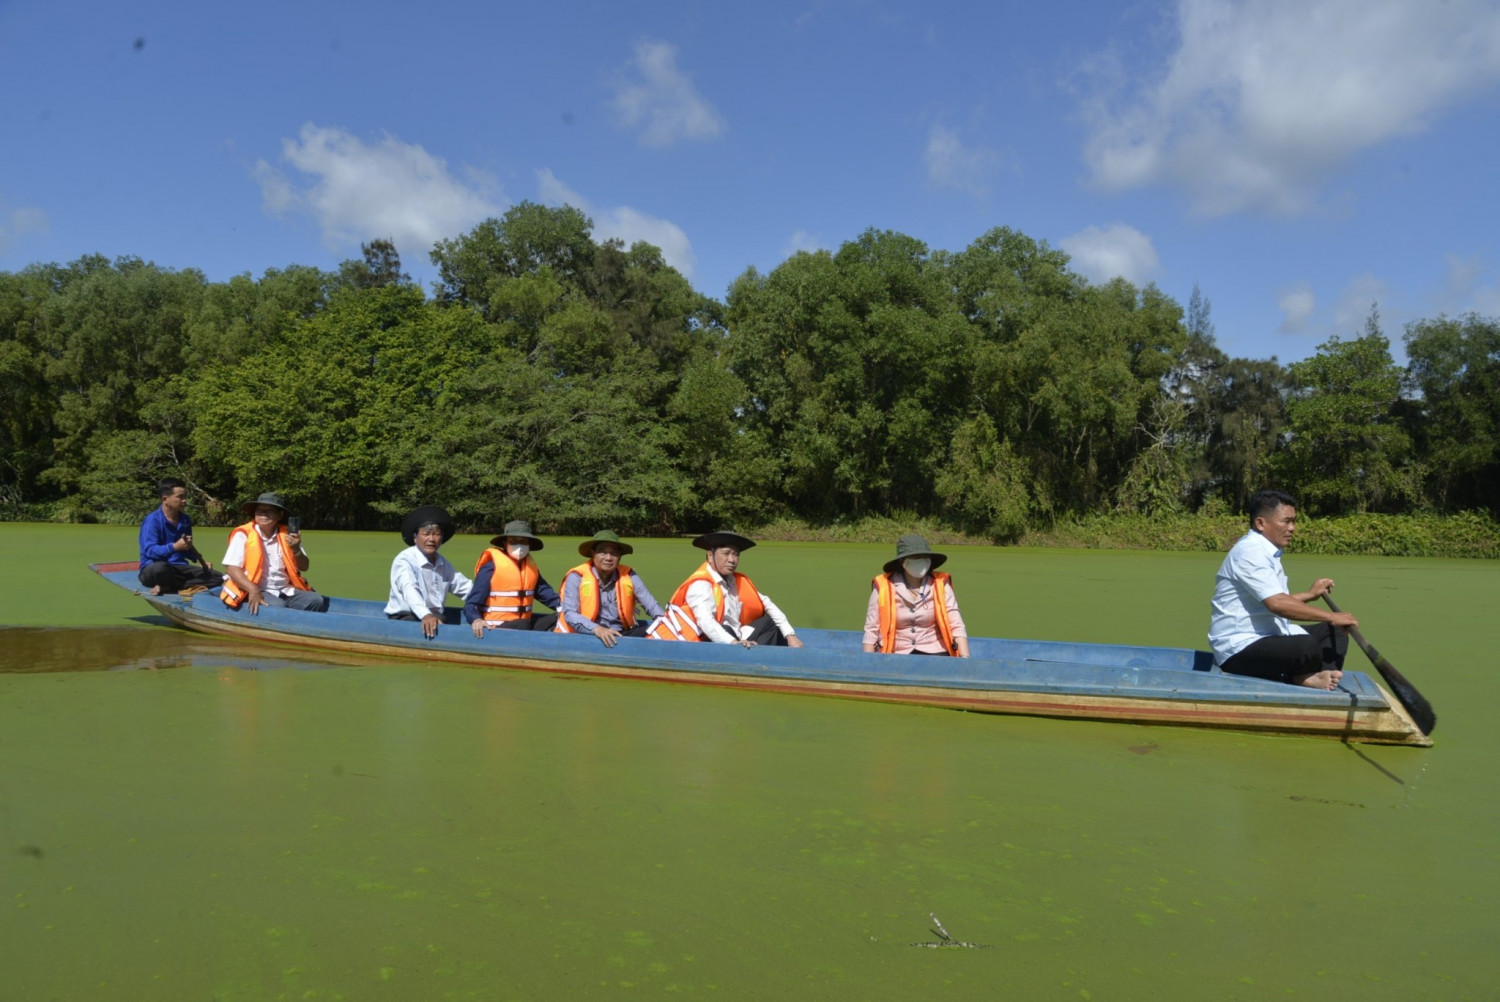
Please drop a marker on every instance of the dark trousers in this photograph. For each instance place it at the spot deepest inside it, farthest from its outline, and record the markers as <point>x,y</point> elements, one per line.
<point>765,632</point>
<point>1282,659</point>
<point>172,578</point>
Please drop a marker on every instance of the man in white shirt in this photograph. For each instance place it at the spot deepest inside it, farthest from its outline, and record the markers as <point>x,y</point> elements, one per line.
<point>1251,630</point>
<point>265,561</point>
<point>421,578</point>
<point>719,605</point>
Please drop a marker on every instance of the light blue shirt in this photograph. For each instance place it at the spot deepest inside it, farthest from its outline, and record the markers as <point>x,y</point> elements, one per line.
<point>1250,574</point>
<point>609,603</point>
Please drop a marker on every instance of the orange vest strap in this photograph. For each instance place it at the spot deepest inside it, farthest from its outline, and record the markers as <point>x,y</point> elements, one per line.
<point>679,623</point>
<point>588,595</point>
<point>886,603</point>
<point>255,564</point>
<point>512,585</point>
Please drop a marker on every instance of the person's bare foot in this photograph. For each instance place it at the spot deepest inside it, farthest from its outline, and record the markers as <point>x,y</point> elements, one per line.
<point>1326,679</point>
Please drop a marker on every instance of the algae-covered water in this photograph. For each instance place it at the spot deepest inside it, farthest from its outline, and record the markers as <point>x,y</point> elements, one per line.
<point>219,820</point>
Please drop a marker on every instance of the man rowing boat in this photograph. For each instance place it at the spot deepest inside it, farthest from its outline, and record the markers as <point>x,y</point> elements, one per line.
<point>1251,630</point>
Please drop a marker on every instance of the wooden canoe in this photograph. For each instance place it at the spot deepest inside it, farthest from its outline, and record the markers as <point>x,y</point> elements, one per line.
<point>1143,685</point>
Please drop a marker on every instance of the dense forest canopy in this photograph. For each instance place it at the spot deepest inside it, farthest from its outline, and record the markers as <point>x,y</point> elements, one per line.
<point>585,384</point>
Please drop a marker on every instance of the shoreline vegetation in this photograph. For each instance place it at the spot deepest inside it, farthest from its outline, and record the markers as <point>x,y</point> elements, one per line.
<point>1467,535</point>
<point>990,394</point>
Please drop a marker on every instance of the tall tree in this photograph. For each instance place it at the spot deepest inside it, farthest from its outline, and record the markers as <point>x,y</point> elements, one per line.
<point>856,367</point>
<point>1454,367</point>
<point>1346,450</point>
<point>379,265</point>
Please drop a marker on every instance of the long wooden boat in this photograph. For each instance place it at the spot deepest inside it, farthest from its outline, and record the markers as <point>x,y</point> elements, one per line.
<point>1145,685</point>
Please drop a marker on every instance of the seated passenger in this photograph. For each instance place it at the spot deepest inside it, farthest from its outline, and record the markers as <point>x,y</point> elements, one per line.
<point>600,596</point>
<point>421,578</point>
<point>704,609</point>
<point>265,561</point>
<point>914,611</point>
<point>506,580</point>
<point>167,546</point>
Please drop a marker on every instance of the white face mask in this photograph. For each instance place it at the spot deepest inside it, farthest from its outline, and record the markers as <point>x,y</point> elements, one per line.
<point>518,551</point>
<point>917,567</point>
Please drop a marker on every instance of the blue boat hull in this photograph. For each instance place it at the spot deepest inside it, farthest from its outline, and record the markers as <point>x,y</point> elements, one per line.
<point>1095,681</point>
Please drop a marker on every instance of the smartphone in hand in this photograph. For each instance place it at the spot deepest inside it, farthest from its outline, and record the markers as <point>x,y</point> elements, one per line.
<point>294,523</point>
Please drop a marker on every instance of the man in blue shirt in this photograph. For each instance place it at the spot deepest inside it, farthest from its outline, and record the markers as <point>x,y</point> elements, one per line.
<point>167,546</point>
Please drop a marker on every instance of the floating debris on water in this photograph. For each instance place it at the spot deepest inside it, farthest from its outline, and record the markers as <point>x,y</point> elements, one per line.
<point>946,941</point>
<point>1322,800</point>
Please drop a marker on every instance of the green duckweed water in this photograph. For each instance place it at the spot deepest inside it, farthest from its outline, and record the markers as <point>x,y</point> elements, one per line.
<point>227,821</point>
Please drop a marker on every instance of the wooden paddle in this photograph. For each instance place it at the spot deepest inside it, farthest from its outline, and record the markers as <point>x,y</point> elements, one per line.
<point>1416,704</point>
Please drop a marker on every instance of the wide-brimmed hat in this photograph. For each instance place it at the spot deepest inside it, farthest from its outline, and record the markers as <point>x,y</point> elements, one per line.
<point>714,540</point>
<point>914,546</point>
<point>427,514</point>
<point>270,498</point>
<point>517,527</point>
<point>603,536</point>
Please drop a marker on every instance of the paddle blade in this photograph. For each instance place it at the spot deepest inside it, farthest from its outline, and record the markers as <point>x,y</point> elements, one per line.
<point>1416,704</point>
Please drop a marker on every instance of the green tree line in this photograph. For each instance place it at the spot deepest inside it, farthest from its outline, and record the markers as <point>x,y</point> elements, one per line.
<point>583,383</point>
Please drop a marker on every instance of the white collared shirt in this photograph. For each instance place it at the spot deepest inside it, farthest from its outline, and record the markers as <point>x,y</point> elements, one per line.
<point>276,580</point>
<point>1250,574</point>
<point>700,599</point>
<point>419,586</point>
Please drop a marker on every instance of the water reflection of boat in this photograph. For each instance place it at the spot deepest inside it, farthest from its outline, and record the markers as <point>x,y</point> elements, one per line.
<point>1146,685</point>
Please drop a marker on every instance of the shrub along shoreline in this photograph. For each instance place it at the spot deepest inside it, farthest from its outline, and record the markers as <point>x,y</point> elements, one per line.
<point>1471,535</point>
<point>1467,535</point>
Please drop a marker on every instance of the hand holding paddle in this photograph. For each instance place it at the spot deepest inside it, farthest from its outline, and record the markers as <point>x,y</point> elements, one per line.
<point>1416,704</point>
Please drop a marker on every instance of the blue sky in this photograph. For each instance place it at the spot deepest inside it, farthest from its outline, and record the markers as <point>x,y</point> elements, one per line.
<point>1298,160</point>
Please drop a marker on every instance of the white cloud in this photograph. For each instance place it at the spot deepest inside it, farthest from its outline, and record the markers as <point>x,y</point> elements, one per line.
<point>1262,101</point>
<point>1353,306</point>
<point>1486,301</point>
<point>1465,289</point>
<point>662,100</point>
<point>19,223</point>
<point>1297,304</point>
<point>951,164</point>
<point>1114,251</point>
<point>623,223</point>
<point>358,192</point>
<point>799,242</point>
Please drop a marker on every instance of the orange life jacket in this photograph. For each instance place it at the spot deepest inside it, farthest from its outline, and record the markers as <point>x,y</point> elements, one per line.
<point>512,586</point>
<point>588,595</point>
<point>255,564</point>
<point>678,621</point>
<point>886,602</point>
